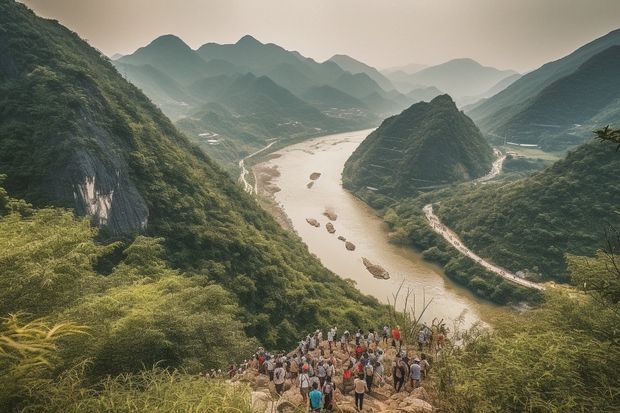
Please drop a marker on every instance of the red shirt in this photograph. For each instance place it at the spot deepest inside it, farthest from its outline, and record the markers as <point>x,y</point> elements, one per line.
<point>396,334</point>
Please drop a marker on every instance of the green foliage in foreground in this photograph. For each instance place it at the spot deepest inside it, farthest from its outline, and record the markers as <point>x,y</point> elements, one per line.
<point>141,313</point>
<point>561,357</point>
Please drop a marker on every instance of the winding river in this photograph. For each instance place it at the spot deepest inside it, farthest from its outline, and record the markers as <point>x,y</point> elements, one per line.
<point>301,197</point>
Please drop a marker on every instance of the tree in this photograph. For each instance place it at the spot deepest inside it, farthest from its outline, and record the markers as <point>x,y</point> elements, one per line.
<point>609,135</point>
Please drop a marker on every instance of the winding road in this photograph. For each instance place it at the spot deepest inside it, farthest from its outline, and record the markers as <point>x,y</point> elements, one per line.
<point>246,185</point>
<point>454,240</point>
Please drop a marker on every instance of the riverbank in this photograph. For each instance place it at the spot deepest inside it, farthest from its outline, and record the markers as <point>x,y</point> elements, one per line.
<point>264,176</point>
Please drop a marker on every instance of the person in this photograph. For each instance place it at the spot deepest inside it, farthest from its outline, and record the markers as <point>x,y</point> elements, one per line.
<point>369,372</point>
<point>396,339</point>
<point>421,339</point>
<point>279,377</point>
<point>347,379</point>
<point>416,373</point>
<point>316,398</point>
<point>328,394</point>
<point>321,373</point>
<point>304,384</point>
<point>425,366</point>
<point>386,333</point>
<point>360,386</point>
<point>398,373</point>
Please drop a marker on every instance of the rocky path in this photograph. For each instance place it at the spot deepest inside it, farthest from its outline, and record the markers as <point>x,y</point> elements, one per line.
<point>454,240</point>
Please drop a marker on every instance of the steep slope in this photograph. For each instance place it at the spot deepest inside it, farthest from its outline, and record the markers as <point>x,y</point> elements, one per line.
<point>355,66</point>
<point>427,145</point>
<point>561,114</point>
<point>164,91</point>
<point>494,112</point>
<point>74,133</point>
<point>532,223</point>
<point>460,77</point>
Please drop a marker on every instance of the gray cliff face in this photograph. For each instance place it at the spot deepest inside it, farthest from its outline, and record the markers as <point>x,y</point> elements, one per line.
<point>96,181</point>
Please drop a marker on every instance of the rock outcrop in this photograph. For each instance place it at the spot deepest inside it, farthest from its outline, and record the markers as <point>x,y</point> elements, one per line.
<point>376,270</point>
<point>313,222</point>
<point>330,228</point>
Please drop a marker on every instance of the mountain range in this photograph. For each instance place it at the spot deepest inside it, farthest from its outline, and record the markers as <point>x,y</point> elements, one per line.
<point>464,79</point>
<point>557,105</point>
<point>190,86</point>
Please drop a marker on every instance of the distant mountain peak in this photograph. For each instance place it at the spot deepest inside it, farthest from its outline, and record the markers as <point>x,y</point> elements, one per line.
<point>248,40</point>
<point>168,40</point>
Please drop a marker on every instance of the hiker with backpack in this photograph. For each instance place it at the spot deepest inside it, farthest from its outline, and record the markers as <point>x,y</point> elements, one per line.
<point>304,384</point>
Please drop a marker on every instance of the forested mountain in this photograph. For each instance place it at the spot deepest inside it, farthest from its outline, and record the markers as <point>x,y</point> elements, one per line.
<point>565,112</point>
<point>463,79</point>
<point>427,145</point>
<point>532,223</point>
<point>75,134</point>
<point>495,111</point>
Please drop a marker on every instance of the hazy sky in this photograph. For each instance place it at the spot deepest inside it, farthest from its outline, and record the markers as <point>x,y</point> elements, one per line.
<point>507,34</point>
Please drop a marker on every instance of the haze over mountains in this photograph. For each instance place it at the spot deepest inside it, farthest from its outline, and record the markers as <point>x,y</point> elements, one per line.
<point>559,104</point>
<point>189,84</point>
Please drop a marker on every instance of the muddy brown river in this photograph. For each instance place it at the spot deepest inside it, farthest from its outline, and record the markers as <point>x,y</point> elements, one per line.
<point>303,195</point>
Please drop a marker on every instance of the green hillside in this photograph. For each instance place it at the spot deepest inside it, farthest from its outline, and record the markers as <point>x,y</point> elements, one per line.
<point>495,111</point>
<point>532,223</point>
<point>561,115</point>
<point>75,134</point>
<point>427,145</point>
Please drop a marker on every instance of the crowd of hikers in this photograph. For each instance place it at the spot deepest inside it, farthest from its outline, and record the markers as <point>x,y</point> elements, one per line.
<point>313,365</point>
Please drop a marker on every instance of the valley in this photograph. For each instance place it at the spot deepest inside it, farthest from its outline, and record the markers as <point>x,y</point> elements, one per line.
<point>192,207</point>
